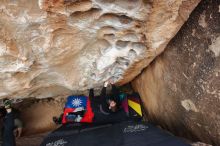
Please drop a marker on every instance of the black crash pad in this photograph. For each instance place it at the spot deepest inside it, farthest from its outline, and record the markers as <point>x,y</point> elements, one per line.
<point>121,134</point>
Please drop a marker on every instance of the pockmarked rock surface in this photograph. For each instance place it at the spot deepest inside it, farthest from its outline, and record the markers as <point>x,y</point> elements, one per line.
<point>50,48</point>
<point>181,88</point>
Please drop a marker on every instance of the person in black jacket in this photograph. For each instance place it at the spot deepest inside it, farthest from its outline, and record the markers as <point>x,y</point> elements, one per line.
<point>8,125</point>
<point>107,107</point>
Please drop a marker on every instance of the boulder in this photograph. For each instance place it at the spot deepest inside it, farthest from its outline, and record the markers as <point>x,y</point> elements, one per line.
<point>180,89</point>
<point>50,48</point>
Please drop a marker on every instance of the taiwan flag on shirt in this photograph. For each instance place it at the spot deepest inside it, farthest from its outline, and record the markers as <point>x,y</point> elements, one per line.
<point>78,103</point>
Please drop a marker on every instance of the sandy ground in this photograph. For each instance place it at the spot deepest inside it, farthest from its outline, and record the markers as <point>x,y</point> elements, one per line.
<point>37,115</point>
<point>34,140</point>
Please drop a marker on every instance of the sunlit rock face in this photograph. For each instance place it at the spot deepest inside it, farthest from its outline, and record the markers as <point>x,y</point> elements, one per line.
<point>181,88</point>
<point>59,47</point>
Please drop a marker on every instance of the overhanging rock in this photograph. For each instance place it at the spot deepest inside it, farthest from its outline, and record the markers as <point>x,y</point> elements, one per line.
<point>49,48</point>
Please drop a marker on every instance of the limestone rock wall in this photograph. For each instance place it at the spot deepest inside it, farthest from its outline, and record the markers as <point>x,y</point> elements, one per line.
<point>57,47</point>
<point>181,88</point>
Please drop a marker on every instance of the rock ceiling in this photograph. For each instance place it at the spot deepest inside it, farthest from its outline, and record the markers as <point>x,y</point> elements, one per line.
<point>54,47</point>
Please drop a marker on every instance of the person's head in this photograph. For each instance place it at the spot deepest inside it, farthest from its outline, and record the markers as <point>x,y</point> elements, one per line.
<point>7,103</point>
<point>112,105</point>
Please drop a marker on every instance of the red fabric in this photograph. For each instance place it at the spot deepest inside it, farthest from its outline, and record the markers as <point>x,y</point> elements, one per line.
<point>88,117</point>
<point>66,110</point>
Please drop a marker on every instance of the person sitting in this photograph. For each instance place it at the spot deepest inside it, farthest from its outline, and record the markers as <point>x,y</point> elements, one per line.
<point>18,127</point>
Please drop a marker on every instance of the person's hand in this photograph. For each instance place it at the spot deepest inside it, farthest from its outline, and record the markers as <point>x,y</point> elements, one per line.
<point>106,83</point>
<point>15,131</point>
<point>111,81</point>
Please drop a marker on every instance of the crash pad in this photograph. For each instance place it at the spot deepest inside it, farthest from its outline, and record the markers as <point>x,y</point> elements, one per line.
<point>127,133</point>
